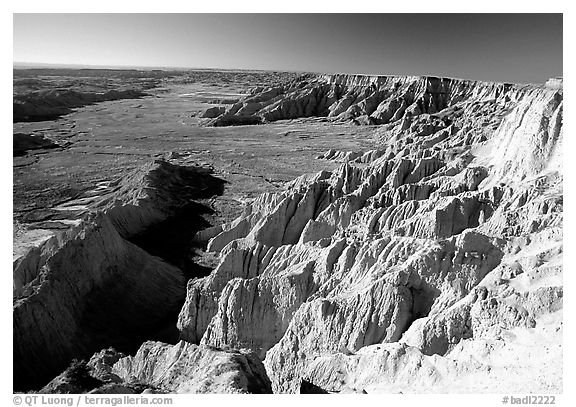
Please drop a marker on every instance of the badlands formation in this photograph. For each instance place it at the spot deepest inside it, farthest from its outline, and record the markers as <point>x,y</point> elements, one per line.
<point>430,264</point>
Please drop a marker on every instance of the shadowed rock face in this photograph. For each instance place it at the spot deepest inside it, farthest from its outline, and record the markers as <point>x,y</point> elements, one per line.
<point>415,247</point>
<point>431,264</point>
<point>156,192</point>
<point>91,287</point>
<point>163,214</point>
<point>94,290</point>
<point>22,143</point>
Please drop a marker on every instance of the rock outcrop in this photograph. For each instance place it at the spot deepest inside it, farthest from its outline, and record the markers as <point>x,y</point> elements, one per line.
<point>431,264</point>
<point>555,83</point>
<point>213,112</point>
<point>163,368</point>
<point>90,290</point>
<point>445,239</point>
<point>362,99</point>
<point>90,287</point>
<point>188,368</point>
<point>22,143</point>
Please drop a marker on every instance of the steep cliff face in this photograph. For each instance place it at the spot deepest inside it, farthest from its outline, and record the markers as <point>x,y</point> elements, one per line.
<point>446,239</point>
<point>363,99</point>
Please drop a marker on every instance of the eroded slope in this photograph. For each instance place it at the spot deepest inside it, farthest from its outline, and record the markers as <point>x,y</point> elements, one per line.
<point>440,242</point>
<point>90,286</point>
<point>430,264</point>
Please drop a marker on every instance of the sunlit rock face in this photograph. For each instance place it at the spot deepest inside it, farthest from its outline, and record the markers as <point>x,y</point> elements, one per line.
<point>430,264</point>
<point>363,99</point>
<point>162,368</point>
<point>389,272</point>
<point>188,368</point>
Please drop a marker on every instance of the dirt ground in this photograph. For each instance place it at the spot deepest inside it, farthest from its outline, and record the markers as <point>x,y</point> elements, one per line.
<point>105,141</point>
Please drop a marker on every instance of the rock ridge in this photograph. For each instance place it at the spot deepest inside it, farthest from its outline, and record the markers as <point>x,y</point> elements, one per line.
<point>362,99</point>
<point>413,250</point>
<point>430,264</point>
<point>90,286</point>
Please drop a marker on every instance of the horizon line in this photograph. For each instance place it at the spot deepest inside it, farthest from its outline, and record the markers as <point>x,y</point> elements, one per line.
<point>146,67</point>
<point>45,65</point>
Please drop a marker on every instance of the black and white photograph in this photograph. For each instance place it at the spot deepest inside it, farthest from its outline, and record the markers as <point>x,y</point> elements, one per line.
<point>286,203</point>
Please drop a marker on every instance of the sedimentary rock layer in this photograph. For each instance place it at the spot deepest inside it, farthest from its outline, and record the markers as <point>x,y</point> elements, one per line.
<point>90,287</point>
<point>363,99</point>
<point>162,368</point>
<point>433,263</point>
<point>445,238</point>
<point>187,368</point>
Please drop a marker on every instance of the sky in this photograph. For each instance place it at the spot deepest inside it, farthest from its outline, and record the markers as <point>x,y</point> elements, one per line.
<point>518,48</point>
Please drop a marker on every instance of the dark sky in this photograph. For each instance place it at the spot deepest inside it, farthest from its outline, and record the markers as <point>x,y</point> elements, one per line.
<point>497,47</point>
